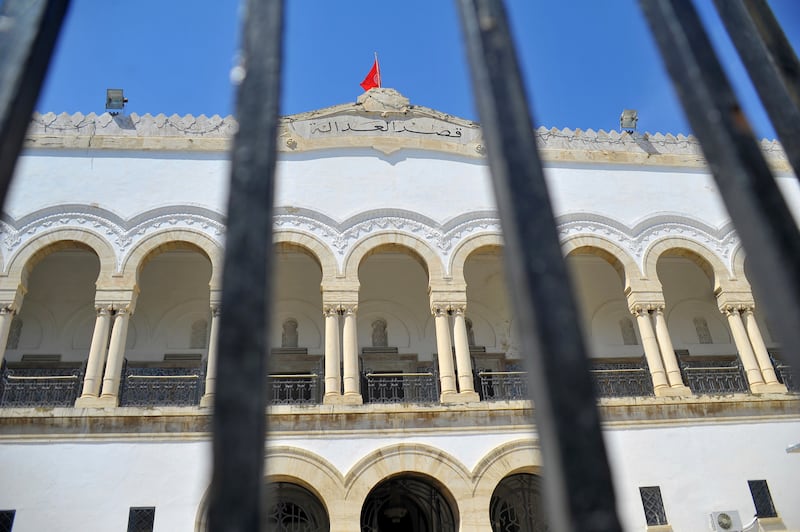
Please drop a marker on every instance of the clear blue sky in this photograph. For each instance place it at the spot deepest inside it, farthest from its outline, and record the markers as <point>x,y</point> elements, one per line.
<point>583,60</point>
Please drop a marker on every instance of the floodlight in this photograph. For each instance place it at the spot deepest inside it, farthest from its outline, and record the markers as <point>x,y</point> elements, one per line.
<point>115,100</point>
<point>628,120</point>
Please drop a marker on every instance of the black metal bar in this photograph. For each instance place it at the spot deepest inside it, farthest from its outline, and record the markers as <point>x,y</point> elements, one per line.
<point>759,212</point>
<point>28,33</point>
<point>579,491</point>
<point>772,65</point>
<point>240,420</point>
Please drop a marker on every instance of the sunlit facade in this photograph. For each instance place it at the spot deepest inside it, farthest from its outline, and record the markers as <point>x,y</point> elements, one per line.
<point>399,393</point>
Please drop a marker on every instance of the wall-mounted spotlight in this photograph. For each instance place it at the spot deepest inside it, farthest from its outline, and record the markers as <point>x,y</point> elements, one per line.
<point>115,101</point>
<point>628,120</point>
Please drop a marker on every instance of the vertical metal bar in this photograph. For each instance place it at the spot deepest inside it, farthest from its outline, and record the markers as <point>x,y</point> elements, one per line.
<point>28,33</point>
<point>755,204</point>
<point>240,420</point>
<point>772,65</point>
<point>579,491</point>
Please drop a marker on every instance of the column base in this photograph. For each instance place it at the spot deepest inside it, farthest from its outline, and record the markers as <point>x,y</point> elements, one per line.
<point>332,399</point>
<point>351,399</point>
<point>207,401</point>
<point>673,391</point>
<point>775,387</point>
<point>459,398</point>
<point>449,398</point>
<point>97,402</point>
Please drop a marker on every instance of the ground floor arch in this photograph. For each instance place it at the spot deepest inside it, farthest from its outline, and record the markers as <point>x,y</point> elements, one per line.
<point>407,503</point>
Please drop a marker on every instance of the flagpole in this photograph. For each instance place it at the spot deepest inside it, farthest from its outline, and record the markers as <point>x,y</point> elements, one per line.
<point>378,66</point>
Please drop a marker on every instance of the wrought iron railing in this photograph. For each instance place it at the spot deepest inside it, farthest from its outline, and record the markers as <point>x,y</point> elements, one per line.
<point>713,375</point>
<point>161,386</point>
<point>788,376</point>
<point>621,378</point>
<point>294,389</point>
<point>503,385</point>
<point>419,387</point>
<point>41,386</point>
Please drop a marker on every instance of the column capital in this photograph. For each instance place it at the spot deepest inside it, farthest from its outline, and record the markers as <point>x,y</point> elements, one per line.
<point>103,310</point>
<point>348,309</point>
<point>646,308</point>
<point>7,309</point>
<point>648,300</point>
<point>737,308</point>
<point>216,310</point>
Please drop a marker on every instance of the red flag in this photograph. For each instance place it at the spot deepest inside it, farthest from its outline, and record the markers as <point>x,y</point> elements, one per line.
<point>373,79</point>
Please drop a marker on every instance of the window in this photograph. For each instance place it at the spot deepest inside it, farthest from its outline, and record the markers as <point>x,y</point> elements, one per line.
<point>762,498</point>
<point>653,505</point>
<point>141,519</point>
<point>628,333</point>
<point>6,520</point>
<point>703,333</point>
<point>198,335</point>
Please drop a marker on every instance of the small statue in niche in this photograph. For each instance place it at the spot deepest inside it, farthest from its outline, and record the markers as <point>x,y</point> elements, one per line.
<point>470,332</point>
<point>380,337</point>
<point>289,336</point>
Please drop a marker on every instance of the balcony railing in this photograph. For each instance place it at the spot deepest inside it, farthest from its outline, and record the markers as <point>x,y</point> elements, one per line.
<point>713,375</point>
<point>788,376</point>
<point>158,385</point>
<point>621,378</point>
<point>503,385</point>
<point>49,386</point>
<point>294,389</point>
<point>420,387</point>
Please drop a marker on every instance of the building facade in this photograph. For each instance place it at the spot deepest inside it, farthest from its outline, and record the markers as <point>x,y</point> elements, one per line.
<point>399,396</point>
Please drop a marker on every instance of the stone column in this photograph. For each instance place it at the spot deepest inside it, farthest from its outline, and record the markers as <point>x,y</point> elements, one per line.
<point>352,393</point>
<point>651,352</point>
<point>333,357</point>
<point>760,350</point>
<point>746,355</point>
<point>97,356</point>
<point>447,375</point>
<point>668,354</point>
<point>6,317</point>
<point>116,354</point>
<point>466,385</point>
<point>211,358</point>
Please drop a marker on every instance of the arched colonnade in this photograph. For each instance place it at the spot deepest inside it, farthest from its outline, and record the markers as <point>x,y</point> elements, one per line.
<point>117,289</point>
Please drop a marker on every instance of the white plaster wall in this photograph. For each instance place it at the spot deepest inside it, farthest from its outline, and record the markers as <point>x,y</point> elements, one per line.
<point>90,486</point>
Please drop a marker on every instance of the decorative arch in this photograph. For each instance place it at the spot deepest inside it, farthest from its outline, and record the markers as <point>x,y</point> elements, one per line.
<point>706,259</point>
<point>297,466</point>
<point>517,456</point>
<point>466,248</point>
<point>169,240</point>
<point>316,247</point>
<point>408,458</point>
<point>420,250</point>
<point>618,258</point>
<point>738,259</point>
<point>42,245</point>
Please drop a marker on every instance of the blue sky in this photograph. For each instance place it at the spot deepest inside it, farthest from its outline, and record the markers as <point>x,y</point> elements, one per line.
<point>583,61</point>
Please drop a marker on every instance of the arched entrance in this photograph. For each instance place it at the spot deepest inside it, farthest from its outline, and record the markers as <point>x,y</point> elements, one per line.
<point>406,504</point>
<point>517,505</point>
<point>295,510</point>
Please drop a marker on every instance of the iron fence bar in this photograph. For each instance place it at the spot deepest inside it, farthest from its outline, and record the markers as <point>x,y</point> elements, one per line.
<point>772,65</point>
<point>28,33</point>
<point>240,421</point>
<point>579,492</point>
<point>759,212</point>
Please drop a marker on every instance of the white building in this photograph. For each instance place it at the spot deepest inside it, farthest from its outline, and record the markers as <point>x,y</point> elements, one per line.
<point>397,378</point>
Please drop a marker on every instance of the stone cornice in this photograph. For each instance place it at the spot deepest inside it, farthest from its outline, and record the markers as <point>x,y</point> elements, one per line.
<point>383,127</point>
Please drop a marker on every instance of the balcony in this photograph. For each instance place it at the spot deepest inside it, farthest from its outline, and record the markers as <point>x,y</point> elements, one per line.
<point>621,377</point>
<point>161,384</point>
<point>294,389</point>
<point>713,375</point>
<point>417,387</point>
<point>40,385</point>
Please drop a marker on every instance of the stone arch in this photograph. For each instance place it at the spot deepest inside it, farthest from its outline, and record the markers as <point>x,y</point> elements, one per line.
<point>297,466</point>
<point>466,248</point>
<point>517,456</point>
<point>314,246</point>
<point>738,259</point>
<point>617,257</point>
<point>42,245</point>
<point>169,240</point>
<point>408,458</point>
<point>705,259</point>
<point>418,248</point>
